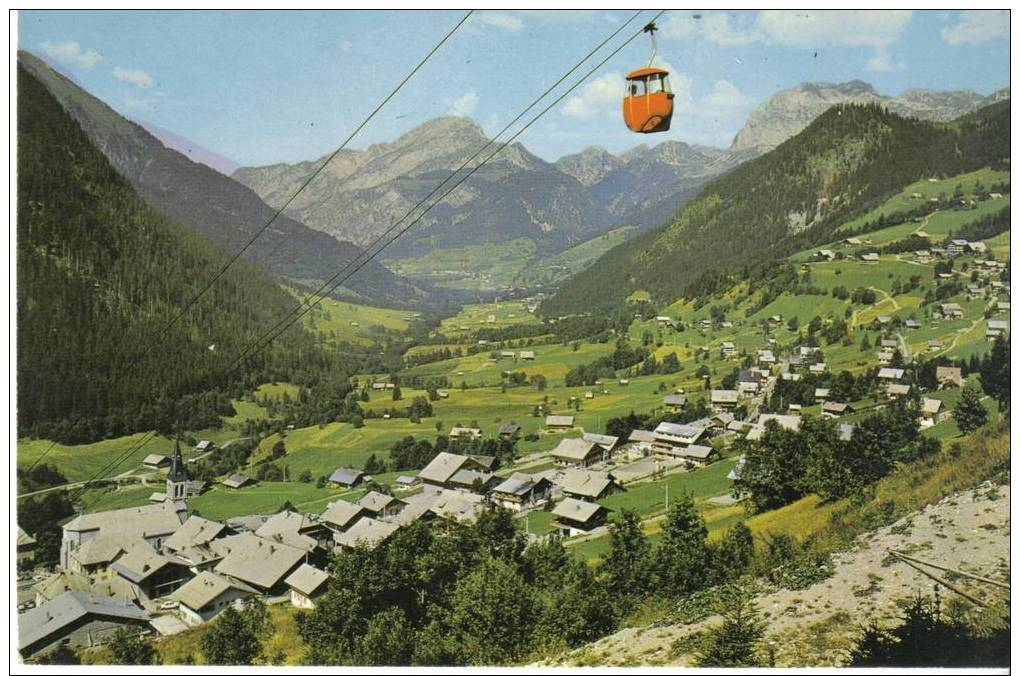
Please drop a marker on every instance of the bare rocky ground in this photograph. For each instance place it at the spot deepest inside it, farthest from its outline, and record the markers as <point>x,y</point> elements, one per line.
<point>816,626</point>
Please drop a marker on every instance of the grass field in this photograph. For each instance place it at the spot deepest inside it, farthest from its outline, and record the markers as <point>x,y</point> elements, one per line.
<point>341,321</point>
<point>85,461</point>
<point>574,259</point>
<point>475,267</point>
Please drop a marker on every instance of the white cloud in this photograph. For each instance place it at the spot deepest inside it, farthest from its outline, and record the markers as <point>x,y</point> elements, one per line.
<point>831,28</point>
<point>883,62</point>
<point>718,27</point>
<point>507,22</point>
<point>725,95</point>
<point>346,45</point>
<point>595,95</point>
<point>137,77</point>
<point>71,52</point>
<point>462,106</point>
<point>976,27</point>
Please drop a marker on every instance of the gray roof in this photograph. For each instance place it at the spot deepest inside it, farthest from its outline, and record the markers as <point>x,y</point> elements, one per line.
<point>890,373</point>
<point>406,480</point>
<point>346,475</point>
<point>584,482</point>
<point>147,521</point>
<point>140,563</point>
<point>24,538</point>
<point>606,441</point>
<point>155,459</point>
<point>442,467</point>
<point>307,579</point>
<point>247,522</point>
<point>931,405</point>
<point>724,396</point>
<point>559,421</point>
<point>342,513</point>
<point>577,510</point>
<point>195,531</point>
<point>51,617</point>
<point>374,501</point>
<point>509,428</point>
<point>518,484</point>
<point>574,449</point>
<point>696,451</point>
<point>367,531</point>
<point>257,561</point>
<point>235,481</point>
<point>468,477</point>
<point>205,588</point>
<point>682,433</point>
<point>641,435</point>
<point>789,422</point>
<point>674,400</point>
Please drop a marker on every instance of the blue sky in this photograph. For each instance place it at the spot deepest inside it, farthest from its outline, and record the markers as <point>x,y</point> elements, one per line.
<point>265,87</point>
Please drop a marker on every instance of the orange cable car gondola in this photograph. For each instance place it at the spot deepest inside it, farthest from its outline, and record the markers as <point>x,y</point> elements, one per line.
<point>648,105</point>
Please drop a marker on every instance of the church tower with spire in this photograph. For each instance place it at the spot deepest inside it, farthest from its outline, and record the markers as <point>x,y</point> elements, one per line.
<point>177,478</point>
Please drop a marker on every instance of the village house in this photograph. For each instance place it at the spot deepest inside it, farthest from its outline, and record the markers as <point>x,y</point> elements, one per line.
<point>640,443</point>
<point>948,376</point>
<point>156,461</point>
<point>606,442</point>
<point>206,595</point>
<point>380,505</point>
<point>728,349</point>
<point>527,355</point>
<point>912,324</point>
<point>77,620</point>
<point>890,374</point>
<point>406,482</point>
<point>149,574</point>
<point>996,327</point>
<point>575,517</point>
<point>346,477</point>
<point>559,423</point>
<point>236,481</point>
<point>748,382</point>
<point>792,377</point>
<point>674,402</point>
<point>951,310</point>
<point>882,320</point>
<point>834,409</point>
<point>670,438</point>
<point>934,345</point>
<point>870,257</point>
<point>302,531</point>
<point>931,412</point>
<point>723,400</point>
<point>577,453</point>
<point>440,472</point>
<point>766,357</point>
<point>521,491</point>
<point>341,515</point>
<point>821,395</point>
<point>204,446</point>
<point>25,545</point>
<point>885,357</point>
<point>897,390</point>
<point>465,433</point>
<point>260,563</point>
<point>366,532</point>
<point>473,480</point>
<point>307,584</point>
<point>586,484</point>
<point>509,431</point>
<point>956,247</point>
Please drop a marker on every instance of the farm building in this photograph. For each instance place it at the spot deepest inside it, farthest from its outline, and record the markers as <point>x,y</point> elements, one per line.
<point>951,310</point>
<point>527,355</point>
<point>149,574</point>
<point>204,445</point>
<point>301,531</point>
<point>151,523</point>
<point>821,394</point>
<point>897,390</point>
<point>25,546</point>
<point>890,374</point>
<point>607,442</point>
<point>931,412</point>
<point>406,481</point>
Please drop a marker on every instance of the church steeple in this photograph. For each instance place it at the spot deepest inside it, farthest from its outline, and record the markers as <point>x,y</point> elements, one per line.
<point>177,478</point>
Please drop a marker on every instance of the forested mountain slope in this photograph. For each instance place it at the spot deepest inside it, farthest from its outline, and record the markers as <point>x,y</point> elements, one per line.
<point>845,162</point>
<point>213,205</point>
<point>100,273</point>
